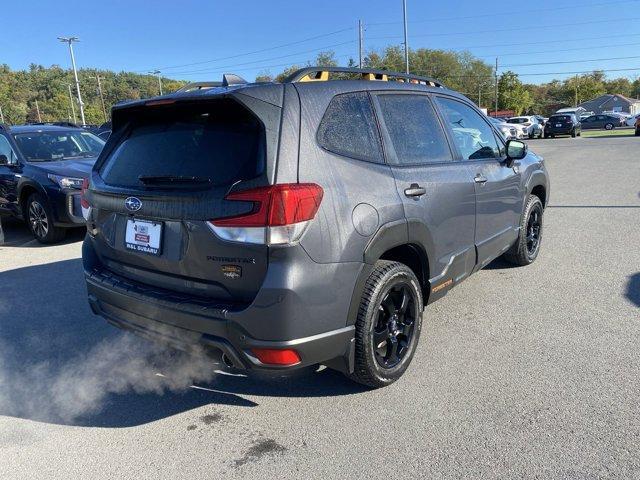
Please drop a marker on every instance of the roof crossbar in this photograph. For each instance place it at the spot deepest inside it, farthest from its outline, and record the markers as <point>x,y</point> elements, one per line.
<point>323,74</point>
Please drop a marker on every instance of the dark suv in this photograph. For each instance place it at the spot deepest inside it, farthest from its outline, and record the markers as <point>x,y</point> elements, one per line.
<point>42,168</point>
<point>305,222</point>
<point>562,124</point>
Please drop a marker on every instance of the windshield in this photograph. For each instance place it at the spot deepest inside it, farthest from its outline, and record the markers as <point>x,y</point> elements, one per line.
<point>51,146</point>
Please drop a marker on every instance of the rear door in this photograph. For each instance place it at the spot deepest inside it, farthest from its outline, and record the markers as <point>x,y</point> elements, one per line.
<point>167,173</point>
<point>497,186</point>
<point>437,191</point>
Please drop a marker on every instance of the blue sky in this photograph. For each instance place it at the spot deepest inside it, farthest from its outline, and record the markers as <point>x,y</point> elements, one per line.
<point>199,40</point>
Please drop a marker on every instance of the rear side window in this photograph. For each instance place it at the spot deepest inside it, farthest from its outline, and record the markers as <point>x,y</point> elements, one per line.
<point>221,142</point>
<point>349,128</point>
<point>415,132</point>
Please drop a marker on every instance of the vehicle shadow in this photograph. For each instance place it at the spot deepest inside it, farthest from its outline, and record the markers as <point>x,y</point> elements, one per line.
<point>633,289</point>
<point>46,324</point>
<point>17,234</point>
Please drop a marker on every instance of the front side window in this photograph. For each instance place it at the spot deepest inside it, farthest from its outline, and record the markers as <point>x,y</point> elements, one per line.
<point>348,128</point>
<point>472,135</point>
<point>415,132</point>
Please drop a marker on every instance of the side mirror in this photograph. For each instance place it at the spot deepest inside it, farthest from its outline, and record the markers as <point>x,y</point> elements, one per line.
<point>4,160</point>
<point>516,150</point>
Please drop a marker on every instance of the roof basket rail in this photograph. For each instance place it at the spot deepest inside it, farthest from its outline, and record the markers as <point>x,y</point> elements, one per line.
<point>323,74</point>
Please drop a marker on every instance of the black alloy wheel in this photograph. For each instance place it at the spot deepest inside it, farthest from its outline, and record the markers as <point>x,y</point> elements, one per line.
<point>39,216</point>
<point>534,229</point>
<point>38,220</point>
<point>395,322</point>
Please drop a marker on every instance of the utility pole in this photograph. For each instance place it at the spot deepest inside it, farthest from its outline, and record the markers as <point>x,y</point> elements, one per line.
<point>480,85</point>
<point>406,40</point>
<point>38,111</point>
<point>496,81</point>
<point>576,105</point>
<point>73,109</point>
<point>157,73</point>
<point>1,116</point>
<point>360,42</point>
<point>70,41</point>
<point>104,110</point>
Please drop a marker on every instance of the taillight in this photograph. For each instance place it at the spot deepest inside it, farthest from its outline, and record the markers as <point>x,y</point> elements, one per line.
<point>280,214</point>
<point>85,187</point>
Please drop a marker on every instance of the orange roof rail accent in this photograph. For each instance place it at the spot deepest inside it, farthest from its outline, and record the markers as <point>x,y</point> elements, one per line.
<point>320,76</point>
<point>375,76</point>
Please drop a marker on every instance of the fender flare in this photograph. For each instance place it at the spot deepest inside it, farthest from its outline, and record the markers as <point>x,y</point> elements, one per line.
<point>538,179</point>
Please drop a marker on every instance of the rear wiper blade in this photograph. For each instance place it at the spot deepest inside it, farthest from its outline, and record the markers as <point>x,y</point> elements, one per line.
<point>172,179</point>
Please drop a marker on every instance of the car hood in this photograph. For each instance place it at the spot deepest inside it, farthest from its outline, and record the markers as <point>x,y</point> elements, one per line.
<point>69,168</point>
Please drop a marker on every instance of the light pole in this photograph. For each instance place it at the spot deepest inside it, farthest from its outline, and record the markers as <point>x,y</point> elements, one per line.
<point>70,41</point>
<point>360,42</point>
<point>73,109</point>
<point>157,73</point>
<point>104,110</point>
<point>406,41</point>
<point>1,116</point>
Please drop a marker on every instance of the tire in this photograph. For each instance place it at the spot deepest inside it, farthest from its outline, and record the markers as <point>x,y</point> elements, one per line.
<point>573,133</point>
<point>39,217</point>
<point>531,136</point>
<point>524,251</point>
<point>609,126</point>
<point>637,132</point>
<point>382,329</point>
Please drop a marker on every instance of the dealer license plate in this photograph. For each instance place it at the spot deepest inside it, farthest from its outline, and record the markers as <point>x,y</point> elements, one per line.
<point>143,236</point>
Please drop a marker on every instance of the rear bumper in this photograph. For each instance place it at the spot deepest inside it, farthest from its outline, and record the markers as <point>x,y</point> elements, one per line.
<point>190,323</point>
<point>559,131</point>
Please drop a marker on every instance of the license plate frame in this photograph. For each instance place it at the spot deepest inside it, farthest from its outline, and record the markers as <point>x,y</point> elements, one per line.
<point>143,236</point>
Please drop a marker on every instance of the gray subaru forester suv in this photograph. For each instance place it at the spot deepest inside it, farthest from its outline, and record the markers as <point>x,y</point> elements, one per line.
<point>283,225</point>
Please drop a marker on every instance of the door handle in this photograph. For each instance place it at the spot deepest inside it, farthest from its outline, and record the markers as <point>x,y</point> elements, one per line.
<point>480,179</point>
<point>415,190</point>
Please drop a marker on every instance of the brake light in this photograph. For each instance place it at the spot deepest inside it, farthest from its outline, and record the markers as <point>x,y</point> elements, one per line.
<point>84,203</point>
<point>270,356</point>
<point>280,215</point>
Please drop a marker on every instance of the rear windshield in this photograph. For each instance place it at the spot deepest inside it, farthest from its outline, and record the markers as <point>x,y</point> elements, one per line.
<point>221,142</point>
<point>560,118</point>
<point>518,120</point>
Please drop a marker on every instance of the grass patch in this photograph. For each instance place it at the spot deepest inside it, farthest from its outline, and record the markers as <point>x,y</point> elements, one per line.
<point>618,132</point>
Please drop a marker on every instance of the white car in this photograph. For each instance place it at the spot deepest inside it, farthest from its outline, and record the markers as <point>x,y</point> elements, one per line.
<point>508,131</point>
<point>531,126</point>
<point>631,121</point>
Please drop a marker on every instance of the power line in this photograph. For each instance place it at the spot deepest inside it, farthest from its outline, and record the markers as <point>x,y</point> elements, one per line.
<point>259,67</point>
<point>491,15</point>
<point>204,70</point>
<point>570,61</point>
<point>557,51</point>
<point>255,51</point>
<point>518,29</point>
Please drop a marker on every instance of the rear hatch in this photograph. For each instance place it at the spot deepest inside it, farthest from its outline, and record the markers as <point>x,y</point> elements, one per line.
<point>164,174</point>
<point>560,121</point>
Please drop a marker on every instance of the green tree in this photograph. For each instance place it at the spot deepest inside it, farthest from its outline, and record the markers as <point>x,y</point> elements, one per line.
<point>512,94</point>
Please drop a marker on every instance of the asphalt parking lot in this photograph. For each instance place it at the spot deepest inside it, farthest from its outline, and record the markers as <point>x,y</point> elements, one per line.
<point>520,373</point>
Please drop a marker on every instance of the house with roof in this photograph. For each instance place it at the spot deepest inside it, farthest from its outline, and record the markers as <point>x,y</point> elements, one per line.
<point>612,103</point>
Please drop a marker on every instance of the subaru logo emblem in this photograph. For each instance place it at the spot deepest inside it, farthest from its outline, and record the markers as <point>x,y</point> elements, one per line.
<point>133,204</point>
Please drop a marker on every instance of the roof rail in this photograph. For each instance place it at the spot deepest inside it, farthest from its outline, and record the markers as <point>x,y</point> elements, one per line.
<point>4,126</point>
<point>322,74</point>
